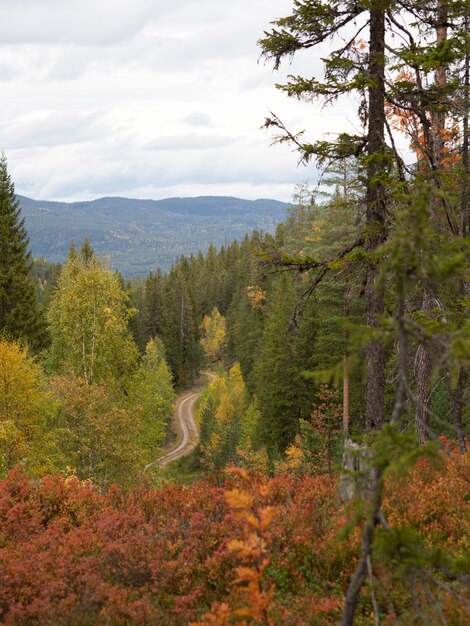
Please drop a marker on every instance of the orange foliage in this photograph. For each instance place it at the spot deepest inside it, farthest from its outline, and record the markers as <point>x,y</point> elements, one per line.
<point>255,596</point>
<point>256,551</point>
<point>407,121</point>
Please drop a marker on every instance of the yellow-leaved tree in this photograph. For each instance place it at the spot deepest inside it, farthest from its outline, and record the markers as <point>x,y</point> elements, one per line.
<point>25,407</point>
<point>220,413</point>
<point>214,332</point>
<point>88,319</point>
<point>96,436</point>
<point>150,398</point>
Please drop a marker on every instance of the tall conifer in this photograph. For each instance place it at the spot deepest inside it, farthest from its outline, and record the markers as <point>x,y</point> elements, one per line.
<point>19,316</point>
<point>283,393</point>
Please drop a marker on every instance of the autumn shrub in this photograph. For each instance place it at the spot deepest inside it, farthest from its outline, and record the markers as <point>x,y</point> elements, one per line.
<point>252,551</point>
<point>423,555</point>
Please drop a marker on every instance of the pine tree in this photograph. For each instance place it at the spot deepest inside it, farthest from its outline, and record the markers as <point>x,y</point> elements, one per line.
<point>19,317</point>
<point>180,333</point>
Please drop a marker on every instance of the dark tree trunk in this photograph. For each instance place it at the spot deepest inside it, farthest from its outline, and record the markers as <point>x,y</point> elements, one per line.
<point>360,575</point>
<point>375,214</point>
<point>438,118</point>
<point>457,394</point>
<point>424,355</point>
<point>465,191</point>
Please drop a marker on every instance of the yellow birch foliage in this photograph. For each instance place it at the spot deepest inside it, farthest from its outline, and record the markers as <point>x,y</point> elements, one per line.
<point>214,335</point>
<point>88,320</point>
<point>24,408</point>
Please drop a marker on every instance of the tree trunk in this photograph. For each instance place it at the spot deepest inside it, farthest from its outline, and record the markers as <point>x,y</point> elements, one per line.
<point>346,393</point>
<point>375,214</point>
<point>438,118</point>
<point>457,394</point>
<point>182,321</point>
<point>360,575</point>
<point>465,191</point>
<point>424,356</point>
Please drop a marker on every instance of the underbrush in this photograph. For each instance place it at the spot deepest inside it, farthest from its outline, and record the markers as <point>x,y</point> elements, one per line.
<point>252,551</point>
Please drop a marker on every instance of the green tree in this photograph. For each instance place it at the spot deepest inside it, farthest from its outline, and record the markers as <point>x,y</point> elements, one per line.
<point>88,320</point>
<point>150,398</point>
<point>19,316</point>
<point>211,282</point>
<point>97,438</point>
<point>329,227</point>
<point>282,392</point>
<point>346,70</point>
<point>153,323</point>
<point>245,316</point>
<point>181,330</point>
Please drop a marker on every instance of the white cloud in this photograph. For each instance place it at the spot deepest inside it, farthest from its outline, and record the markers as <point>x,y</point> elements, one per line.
<point>147,98</point>
<point>102,22</point>
<point>56,128</point>
<point>197,118</point>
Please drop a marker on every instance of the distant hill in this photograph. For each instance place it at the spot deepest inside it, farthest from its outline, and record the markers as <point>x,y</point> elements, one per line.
<point>137,236</point>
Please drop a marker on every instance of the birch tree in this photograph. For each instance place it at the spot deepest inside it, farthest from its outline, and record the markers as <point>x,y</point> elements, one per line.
<point>88,320</point>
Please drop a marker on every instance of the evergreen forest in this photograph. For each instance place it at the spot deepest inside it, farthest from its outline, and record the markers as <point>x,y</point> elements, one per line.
<point>274,432</point>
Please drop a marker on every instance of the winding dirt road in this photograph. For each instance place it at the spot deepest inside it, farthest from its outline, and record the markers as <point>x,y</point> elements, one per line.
<point>186,426</point>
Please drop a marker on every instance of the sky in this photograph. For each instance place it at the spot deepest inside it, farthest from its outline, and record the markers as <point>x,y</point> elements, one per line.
<point>150,99</point>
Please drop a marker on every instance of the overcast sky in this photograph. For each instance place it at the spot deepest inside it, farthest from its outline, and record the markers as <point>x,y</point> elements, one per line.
<point>148,99</point>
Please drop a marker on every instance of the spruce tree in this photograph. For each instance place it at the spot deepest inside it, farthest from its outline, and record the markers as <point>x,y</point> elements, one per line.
<point>284,395</point>
<point>152,315</point>
<point>19,317</point>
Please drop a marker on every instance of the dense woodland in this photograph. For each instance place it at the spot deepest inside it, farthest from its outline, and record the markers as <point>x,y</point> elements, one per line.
<point>341,340</point>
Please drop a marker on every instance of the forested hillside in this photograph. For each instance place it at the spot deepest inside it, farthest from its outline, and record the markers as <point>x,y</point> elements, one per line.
<point>261,327</point>
<point>329,479</point>
<point>135,236</point>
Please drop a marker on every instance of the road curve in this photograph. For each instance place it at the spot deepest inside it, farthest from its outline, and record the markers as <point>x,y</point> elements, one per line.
<point>188,435</point>
<point>186,426</point>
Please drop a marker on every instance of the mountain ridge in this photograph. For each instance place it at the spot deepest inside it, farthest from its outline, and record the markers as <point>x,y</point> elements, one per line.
<point>139,235</point>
